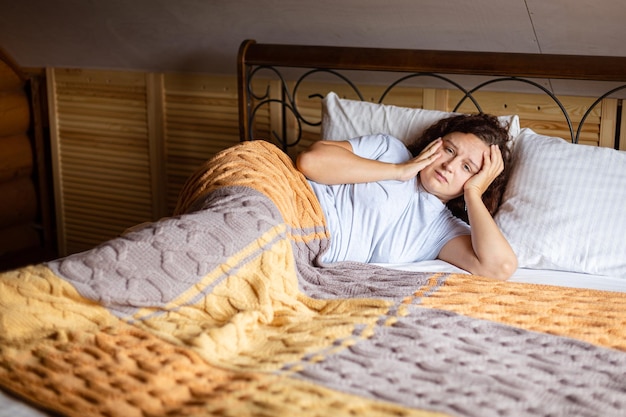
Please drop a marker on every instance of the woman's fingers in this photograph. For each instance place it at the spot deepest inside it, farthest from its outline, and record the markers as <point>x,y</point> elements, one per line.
<point>493,165</point>
<point>429,154</point>
<point>413,166</point>
<point>496,160</point>
<point>432,146</point>
<point>430,151</point>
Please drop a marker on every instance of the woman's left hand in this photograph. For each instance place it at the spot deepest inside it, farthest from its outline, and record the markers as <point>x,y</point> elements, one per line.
<point>493,165</point>
<point>486,251</point>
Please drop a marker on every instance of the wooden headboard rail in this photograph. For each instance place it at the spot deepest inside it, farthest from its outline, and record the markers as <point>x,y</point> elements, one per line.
<point>336,58</point>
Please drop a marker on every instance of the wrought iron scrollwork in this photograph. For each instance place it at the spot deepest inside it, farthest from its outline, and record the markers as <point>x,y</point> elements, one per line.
<point>574,136</point>
<point>289,103</point>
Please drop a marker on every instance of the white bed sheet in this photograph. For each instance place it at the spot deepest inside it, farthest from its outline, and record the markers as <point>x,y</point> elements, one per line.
<point>13,407</point>
<point>530,276</point>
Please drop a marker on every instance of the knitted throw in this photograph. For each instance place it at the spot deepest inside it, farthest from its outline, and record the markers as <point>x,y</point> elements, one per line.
<point>225,310</point>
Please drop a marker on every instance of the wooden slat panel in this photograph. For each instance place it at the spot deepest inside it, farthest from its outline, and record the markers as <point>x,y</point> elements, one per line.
<point>608,123</point>
<point>538,112</point>
<point>201,118</point>
<point>155,94</point>
<point>103,182</point>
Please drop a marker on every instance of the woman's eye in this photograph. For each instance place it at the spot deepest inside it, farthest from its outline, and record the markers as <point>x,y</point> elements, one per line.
<point>467,168</point>
<point>449,150</point>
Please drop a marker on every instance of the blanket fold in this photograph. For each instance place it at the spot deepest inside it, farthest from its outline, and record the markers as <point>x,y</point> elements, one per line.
<point>225,310</point>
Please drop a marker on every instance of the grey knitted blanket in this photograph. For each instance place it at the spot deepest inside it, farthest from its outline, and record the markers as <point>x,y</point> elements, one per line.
<point>224,310</point>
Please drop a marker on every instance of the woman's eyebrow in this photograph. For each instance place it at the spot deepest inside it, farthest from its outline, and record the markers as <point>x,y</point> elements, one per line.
<point>475,166</point>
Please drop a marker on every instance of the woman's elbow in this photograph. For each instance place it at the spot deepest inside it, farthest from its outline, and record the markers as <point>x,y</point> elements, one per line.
<point>314,161</point>
<point>503,270</point>
<point>305,163</point>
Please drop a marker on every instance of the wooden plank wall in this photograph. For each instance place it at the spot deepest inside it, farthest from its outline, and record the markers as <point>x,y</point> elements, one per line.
<point>124,142</point>
<point>200,119</point>
<point>101,155</point>
<point>20,227</point>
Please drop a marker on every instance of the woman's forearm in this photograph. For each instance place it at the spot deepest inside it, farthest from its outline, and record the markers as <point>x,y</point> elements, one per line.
<point>493,252</point>
<point>329,162</point>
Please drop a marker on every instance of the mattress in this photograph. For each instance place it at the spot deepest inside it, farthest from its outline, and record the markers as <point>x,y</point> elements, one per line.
<point>529,276</point>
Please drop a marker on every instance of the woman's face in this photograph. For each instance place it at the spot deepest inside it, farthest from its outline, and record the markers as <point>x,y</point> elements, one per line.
<point>461,158</point>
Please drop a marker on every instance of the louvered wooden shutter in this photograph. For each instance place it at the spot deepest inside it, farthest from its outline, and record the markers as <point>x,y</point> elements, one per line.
<point>100,155</point>
<point>124,143</point>
<point>201,118</point>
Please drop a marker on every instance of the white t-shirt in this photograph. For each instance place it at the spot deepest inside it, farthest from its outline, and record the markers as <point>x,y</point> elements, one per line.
<point>386,221</point>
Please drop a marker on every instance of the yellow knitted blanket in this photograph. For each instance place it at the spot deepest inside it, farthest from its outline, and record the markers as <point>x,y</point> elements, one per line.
<point>225,310</point>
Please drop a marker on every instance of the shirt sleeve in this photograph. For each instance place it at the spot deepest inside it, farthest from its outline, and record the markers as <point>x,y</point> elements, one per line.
<point>380,147</point>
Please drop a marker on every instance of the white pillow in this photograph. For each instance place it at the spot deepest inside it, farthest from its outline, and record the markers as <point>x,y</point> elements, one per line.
<point>343,119</point>
<point>565,206</point>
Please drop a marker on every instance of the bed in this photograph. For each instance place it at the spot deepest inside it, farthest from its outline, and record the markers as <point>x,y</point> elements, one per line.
<point>224,308</point>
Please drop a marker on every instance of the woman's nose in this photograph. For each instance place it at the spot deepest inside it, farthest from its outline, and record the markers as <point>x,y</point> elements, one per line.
<point>448,164</point>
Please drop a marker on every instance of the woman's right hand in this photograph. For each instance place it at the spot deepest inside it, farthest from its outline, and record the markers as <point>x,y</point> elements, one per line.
<point>412,167</point>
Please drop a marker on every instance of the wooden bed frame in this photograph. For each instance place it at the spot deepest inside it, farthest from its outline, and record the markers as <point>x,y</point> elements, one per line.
<point>283,61</point>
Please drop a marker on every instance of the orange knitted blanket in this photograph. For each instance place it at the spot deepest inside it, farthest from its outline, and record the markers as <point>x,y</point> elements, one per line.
<point>224,310</point>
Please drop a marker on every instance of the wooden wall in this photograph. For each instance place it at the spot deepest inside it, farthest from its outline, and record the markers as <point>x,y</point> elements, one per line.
<point>25,230</point>
<point>123,143</point>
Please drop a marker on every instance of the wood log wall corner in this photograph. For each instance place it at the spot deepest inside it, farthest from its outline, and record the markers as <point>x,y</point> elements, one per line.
<point>26,233</point>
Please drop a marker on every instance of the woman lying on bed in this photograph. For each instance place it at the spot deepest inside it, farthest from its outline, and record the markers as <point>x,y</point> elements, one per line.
<point>388,203</point>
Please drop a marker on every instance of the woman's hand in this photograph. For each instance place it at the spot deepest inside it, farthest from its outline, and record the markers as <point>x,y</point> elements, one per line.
<point>493,165</point>
<point>486,251</point>
<point>412,167</point>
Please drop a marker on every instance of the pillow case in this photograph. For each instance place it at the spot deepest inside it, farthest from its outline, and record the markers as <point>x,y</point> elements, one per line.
<point>343,119</point>
<point>564,206</point>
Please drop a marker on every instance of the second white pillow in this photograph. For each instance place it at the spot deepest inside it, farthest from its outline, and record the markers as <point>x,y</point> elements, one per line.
<point>344,119</point>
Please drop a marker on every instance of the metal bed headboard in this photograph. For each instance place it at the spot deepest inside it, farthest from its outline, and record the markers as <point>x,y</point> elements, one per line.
<point>520,67</point>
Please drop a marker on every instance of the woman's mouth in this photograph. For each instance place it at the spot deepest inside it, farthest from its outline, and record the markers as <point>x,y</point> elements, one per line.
<point>440,177</point>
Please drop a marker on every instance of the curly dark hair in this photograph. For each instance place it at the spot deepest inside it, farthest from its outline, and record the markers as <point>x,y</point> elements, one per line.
<point>491,131</point>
